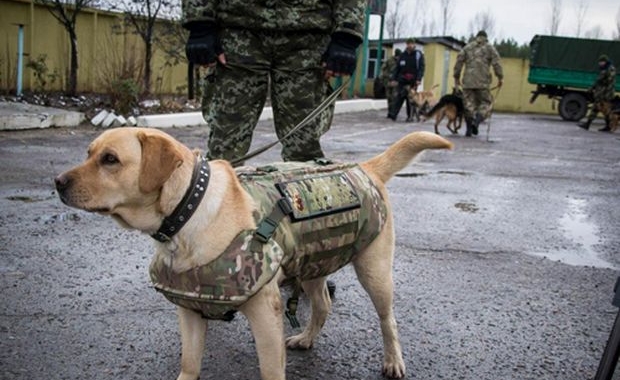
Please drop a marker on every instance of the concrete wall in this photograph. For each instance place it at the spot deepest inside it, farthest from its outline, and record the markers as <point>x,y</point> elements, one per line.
<point>516,92</point>
<point>103,53</point>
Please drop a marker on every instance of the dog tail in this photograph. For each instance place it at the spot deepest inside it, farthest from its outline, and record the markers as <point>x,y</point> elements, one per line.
<point>398,156</point>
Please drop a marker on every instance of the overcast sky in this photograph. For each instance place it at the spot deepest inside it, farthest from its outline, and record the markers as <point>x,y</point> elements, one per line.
<point>520,19</point>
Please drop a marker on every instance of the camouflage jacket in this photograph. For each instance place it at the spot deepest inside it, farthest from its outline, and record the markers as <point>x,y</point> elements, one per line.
<point>604,88</point>
<point>337,211</point>
<point>326,16</point>
<point>478,56</point>
<point>387,68</point>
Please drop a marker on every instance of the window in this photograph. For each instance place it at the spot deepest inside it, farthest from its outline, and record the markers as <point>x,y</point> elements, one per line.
<point>372,62</point>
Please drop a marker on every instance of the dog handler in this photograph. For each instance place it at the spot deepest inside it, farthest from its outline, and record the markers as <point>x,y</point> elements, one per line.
<point>407,74</point>
<point>290,48</point>
<point>477,56</point>
<point>603,90</point>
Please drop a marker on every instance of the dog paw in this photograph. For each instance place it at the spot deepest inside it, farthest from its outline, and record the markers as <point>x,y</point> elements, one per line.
<point>299,342</point>
<point>185,376</point>
<point>394,370</point>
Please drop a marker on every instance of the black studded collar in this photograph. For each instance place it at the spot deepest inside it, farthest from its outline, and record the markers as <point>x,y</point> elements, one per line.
<point>185,209</point>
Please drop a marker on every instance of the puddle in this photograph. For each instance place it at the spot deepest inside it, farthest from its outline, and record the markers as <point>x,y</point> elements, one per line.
<point>579,230</point>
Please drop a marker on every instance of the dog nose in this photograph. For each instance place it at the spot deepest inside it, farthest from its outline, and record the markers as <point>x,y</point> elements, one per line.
<point>62,182</point>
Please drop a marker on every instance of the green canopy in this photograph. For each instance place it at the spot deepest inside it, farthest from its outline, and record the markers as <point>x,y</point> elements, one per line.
<point>575,54</point>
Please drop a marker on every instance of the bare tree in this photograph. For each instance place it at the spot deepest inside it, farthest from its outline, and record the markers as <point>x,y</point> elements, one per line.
<point>418,16</point>
<point>595,32</point>
<point>556,17</point>
<point>142,16</point>
<point>483,20</point>
<point>66,13</point>
<point>429,28</point>
<point>395,19</point>
<point>446,16</point>
<point>427,24</point>
<point>581,10</point>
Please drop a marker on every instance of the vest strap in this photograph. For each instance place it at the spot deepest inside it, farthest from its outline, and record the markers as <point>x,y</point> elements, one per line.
<point>268,226</point>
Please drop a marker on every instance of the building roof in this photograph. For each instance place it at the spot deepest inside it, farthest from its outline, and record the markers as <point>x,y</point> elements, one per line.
<point>447,41</point>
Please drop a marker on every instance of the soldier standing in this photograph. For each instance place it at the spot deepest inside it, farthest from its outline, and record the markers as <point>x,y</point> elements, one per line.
<point>386,72</point>
<point>603,90</point>
<point>477,57</point>
<point>291,48</point>
<point>407,75</point>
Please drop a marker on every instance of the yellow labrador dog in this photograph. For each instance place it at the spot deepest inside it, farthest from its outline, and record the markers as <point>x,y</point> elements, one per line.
<point>140,177</point>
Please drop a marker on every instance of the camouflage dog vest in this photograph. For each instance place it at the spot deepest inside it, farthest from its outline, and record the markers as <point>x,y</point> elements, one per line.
<point>327,214</point>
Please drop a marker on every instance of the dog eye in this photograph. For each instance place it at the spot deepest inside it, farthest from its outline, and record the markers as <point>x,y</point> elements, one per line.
<point>109,159</point>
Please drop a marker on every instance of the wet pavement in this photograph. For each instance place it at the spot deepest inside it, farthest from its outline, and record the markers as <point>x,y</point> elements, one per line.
<point>506,257</point>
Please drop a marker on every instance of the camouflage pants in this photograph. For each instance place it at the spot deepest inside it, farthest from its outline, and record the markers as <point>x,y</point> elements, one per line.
<point>598,99</point>
<point>286,63</point>
<point>477,100</point>
<point>390,94</point>
<point>401,96</point>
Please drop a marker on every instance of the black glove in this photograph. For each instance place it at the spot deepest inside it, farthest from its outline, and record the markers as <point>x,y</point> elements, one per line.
<point>203,45</point>
<point>340,56</point>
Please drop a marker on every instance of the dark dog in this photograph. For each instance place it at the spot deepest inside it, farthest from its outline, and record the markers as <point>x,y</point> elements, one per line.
<point>611,110</point>
<point>450,106</point>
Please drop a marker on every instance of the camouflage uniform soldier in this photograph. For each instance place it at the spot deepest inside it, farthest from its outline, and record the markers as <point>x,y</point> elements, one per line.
<point>477,56</point>
<point>387,69</point>
<point>603,90</point>
<point>288,47</point>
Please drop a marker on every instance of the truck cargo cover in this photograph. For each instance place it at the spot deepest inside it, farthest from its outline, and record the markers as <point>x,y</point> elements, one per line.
<point>575,54</point>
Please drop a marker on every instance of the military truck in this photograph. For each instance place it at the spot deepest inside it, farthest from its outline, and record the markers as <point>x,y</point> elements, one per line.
<point>565,68</point>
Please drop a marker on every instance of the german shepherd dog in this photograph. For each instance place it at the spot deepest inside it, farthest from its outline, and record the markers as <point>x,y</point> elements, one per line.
<point>450,106</point>
<point>611,110</point>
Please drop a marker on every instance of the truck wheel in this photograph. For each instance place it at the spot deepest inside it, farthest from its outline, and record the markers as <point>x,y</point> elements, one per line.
<point>573,106</point>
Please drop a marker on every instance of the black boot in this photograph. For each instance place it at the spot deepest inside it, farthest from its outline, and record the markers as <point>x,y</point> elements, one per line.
<point>468,123</point>
<point>585,125</point>
<point>606,129</point>
<point>476,123</point>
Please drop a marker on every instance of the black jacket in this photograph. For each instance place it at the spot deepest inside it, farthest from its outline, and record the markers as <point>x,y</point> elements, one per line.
<point>409,67</point>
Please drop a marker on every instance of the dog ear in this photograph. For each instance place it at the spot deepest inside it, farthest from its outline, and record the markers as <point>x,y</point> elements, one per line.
<point>159,159</point>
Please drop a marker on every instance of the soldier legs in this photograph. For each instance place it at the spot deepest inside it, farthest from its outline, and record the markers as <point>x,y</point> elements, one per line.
<point>234,99</point>
<point>591,115</point>
<point>390,95</point>
<point>478,103</point>
<point>297,88</point>
<point>232,118</point>
<point>401,95</point>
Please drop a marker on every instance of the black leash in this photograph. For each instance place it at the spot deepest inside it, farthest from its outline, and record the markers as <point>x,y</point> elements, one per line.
<point>317,111</point>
